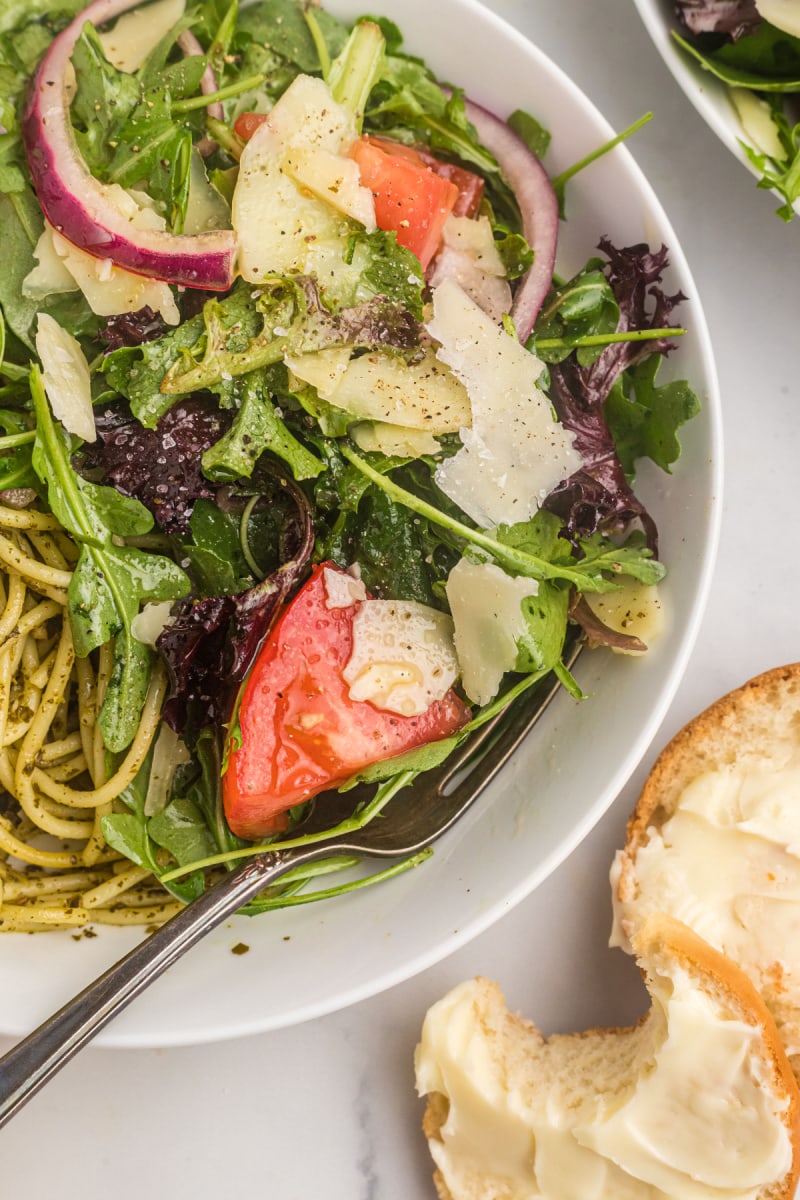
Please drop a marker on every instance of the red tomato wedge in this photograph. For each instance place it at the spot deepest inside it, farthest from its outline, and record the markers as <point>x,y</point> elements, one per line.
<point>300,731</point>
<point>470,186</point>
<point>410,198</point>
<point>247,123</point>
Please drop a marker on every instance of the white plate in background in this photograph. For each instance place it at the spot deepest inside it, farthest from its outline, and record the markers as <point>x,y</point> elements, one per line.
<point>708,94</point>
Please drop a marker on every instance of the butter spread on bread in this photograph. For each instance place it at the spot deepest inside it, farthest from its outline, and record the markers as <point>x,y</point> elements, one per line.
<point>697,1102</point>
<point>715,840</point>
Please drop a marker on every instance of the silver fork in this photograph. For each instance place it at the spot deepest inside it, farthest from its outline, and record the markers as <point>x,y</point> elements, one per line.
<point>408,824</point>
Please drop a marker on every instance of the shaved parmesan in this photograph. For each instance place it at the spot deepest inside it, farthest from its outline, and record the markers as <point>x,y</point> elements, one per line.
<point>66,378</point>
<point>382,438</point>
<point>488,620</point>
<point>108,289</point>
<point>755,117</point>
<point>148,625</point>
<point>382,387</point>
<point>469,255</point>
<point>474,237</point>
<point>50,276</point>
<point>516,451</point>
<point>281,221</point>
<point>783,14</point>
<point>334,179</point>
<point>634,608</point>
<point>342,590</point>
<point>403,657</point>
<point>491,292</point>
<point>323,369</point>
<point>169,753</point>
<point>206,208</point>
<point>137,33</point>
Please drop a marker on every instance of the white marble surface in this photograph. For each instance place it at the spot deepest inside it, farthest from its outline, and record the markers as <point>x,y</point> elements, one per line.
<point>328,1109</point>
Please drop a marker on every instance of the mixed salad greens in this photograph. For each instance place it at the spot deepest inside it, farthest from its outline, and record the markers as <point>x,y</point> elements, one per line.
<point>753,47</point>
<point>284,351</point>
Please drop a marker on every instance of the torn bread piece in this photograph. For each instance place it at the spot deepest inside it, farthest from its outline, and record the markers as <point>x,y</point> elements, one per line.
<point>715,840</point>
<point>696,1102</point>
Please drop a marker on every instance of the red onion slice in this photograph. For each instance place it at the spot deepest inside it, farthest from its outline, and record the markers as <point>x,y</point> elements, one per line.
<point>78,205</point>
<point>538,205</point>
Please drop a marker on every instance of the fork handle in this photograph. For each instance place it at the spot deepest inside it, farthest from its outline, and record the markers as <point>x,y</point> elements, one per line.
<point>33,1061</point>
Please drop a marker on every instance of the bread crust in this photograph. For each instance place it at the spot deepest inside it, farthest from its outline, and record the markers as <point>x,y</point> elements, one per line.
<point>763,711</point>
<point>756,722</point>
<point>661,944</point>
<point>660,936</point>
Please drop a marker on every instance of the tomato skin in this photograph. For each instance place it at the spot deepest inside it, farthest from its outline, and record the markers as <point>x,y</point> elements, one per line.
<point>410,198</point>
<point>470,186</point>
<point>300,731</point>
<point>247,123</point>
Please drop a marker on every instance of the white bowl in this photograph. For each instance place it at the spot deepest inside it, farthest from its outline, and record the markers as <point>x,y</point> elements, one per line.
<point>305,962</point>
<point>708,94</point>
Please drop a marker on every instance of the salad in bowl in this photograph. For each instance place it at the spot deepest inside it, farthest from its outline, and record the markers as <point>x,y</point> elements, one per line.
<point>313,459</point>
<point>739,63</point>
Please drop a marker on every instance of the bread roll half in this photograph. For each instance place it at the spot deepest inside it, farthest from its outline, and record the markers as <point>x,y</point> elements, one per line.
<point>715,840</point>
<point>696,1102</point>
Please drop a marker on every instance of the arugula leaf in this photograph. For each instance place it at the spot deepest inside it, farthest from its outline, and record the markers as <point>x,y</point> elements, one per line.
<point>126,830</point>
<point>12,173</point>
<point>584,305</point>
<point>21,222</point>
<point>632,558</point>
<point>542,644</point>
<point>16,13</point>
<point>181,829</point>
<point>155,146</point>
<point>422,758</point>
<point>540,536</point>
<point>389,270</point>
<point>560,181</point>
<point>766,51</point>
<point>401,555</point>
<point>110,581</point>
<point>16,470</point>
<point>103,100</point>
<point>532,132</point>
<point>385,541</point>
<point>257,427</point>
<point>136,372</point>
<point>206,792</point>
<point>515,253</point>
<point>353,73</point>
<point>780,173</point>
<point>767,61</point>
<point>546,613</point>
<point>214,552</point>
<point>645,423</point>
<point>282,25</point>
